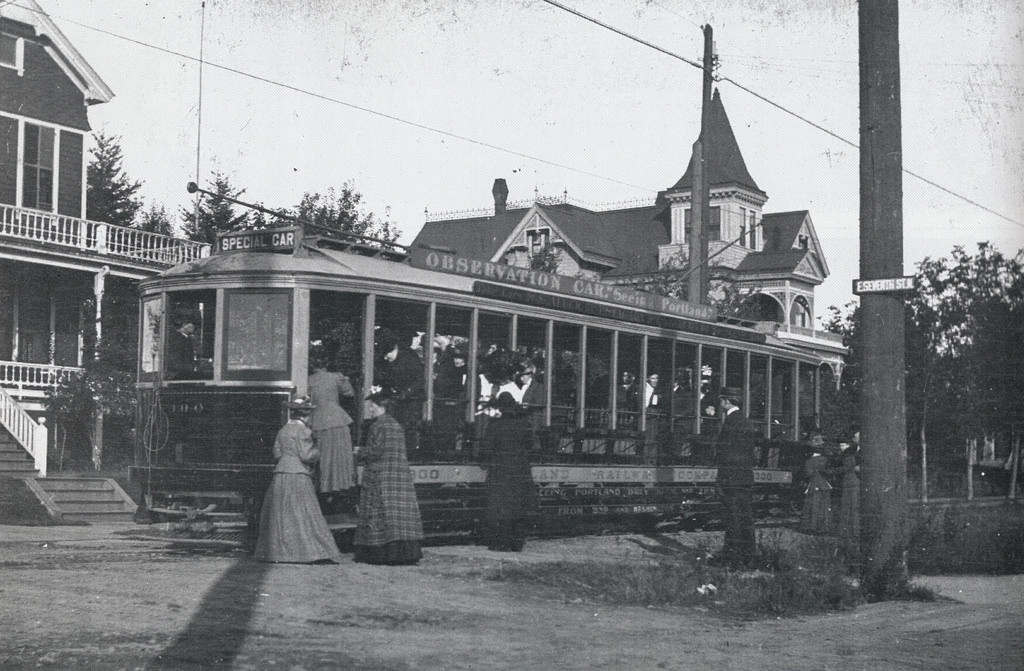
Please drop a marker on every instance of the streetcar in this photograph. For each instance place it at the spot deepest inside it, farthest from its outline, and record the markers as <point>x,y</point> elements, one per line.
<point>600,450</point>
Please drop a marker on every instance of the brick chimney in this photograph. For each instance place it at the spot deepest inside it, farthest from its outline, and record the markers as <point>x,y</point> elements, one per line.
<point>500,192</point>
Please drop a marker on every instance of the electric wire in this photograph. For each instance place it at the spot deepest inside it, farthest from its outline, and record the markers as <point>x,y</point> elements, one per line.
<point>780,107</point>
<point>513,152</point>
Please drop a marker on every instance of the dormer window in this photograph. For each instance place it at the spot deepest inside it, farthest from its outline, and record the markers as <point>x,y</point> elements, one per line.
<point>803,241</point>
<point>537,239</point>
<point>12,53</point>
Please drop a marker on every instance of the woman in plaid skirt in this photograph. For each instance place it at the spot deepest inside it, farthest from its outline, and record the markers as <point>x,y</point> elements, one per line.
<point>389,529</point>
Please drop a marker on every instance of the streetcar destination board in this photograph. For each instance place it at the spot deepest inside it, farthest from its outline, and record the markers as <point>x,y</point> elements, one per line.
<point>885,285</point>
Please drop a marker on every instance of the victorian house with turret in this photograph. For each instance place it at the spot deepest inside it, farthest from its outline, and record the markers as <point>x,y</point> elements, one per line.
<point>56,266</point>
<point>772,260</point>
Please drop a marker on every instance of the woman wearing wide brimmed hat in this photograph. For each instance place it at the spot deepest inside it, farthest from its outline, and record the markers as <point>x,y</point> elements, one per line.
<point>390,528</point>
<point>292,528</point>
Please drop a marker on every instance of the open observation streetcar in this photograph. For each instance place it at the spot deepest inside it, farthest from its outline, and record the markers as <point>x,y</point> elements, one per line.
<point>623,412</point>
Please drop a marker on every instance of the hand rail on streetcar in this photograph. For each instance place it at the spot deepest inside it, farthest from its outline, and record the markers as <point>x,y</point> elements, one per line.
<point>192,187</point>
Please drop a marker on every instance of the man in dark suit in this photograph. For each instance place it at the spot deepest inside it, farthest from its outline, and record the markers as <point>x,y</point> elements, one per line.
<point>736,481</point>
<point>181,353</point>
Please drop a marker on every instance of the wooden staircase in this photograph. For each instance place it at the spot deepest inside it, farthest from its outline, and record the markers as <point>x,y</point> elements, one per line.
<point>84,499</point>
<point>15,461</point>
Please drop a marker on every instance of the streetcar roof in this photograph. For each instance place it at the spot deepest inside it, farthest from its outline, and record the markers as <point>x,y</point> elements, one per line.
<point>310,260</point>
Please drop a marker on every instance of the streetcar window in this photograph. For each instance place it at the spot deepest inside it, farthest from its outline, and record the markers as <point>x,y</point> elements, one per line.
<point>257,335</point>
<point>493,345</point>
<point>565,382</point>
<point>400,331</point>
<point>597,401</point>
<point>531,345</point>
<point>758,410</point>
<point>736,371</point>
<point>336,324</point>
<point>782,399</point>
<point>808,395</point>
<point>629,383</point>
<point>710,385</point>
<point>657,396</point>
<point>190,335</point>
<point>152,320</point>
<point>450,366</point>
<point>685,381</point>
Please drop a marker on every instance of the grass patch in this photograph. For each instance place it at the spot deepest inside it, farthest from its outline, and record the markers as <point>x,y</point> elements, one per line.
<point>20,507</point>
<point>968,540</point>
<point>787,585</point>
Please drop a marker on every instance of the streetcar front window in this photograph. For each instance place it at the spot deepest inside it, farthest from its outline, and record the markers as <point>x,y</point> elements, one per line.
<point>257,336</point>
<point>189,336</point>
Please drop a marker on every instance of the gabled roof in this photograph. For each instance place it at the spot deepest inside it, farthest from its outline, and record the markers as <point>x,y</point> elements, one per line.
<point>724,161</point>
<point>29,12</point>
<point>782,228</point>
<point>623,240</point>
<point>476,237</point>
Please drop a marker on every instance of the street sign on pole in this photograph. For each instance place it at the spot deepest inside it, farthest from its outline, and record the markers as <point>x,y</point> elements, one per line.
<point>887,285</point>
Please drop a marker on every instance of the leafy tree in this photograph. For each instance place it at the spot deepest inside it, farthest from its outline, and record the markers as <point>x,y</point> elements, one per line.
<point>105,387</point>
<point>340,211</point>
<point>970,314</point>
<point>110,193</point>
<point>156,220</point>
<point>964,353</point>
<point>216,215</point>
<point>547,259</point>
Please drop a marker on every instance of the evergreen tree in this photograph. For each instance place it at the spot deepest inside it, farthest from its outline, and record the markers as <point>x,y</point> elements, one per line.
<point>216,215</point>
<point>110,194</point>
<point>156,220</point>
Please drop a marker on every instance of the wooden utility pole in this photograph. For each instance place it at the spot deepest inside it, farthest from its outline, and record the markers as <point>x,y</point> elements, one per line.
<point>883,403</point>
<point>700,198</point>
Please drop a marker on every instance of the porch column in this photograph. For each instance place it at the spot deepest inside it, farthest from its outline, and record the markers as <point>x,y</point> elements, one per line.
<point>98,287</point>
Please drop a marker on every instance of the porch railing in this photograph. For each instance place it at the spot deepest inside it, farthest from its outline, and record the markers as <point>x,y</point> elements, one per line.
<point>30,434</point>
<point>34,375</point>
<point>98,237</point>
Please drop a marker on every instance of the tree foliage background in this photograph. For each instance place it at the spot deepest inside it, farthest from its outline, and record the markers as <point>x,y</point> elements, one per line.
<point>110,193</point>
<point>964,354</point>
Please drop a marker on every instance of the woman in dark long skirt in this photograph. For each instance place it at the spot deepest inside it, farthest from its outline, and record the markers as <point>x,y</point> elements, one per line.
<point>292,528</point>
<point>389,529</point>
<point>511,495</point>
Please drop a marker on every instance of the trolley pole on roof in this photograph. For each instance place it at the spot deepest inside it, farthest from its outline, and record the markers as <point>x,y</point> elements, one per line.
<point>700,192</point>
<point>883,412</point>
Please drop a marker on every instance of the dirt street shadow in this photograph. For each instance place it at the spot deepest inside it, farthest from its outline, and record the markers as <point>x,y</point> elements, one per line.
<point>215,634</point>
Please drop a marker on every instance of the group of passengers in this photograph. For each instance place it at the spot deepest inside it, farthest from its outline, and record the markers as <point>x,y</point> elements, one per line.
<point>830,465</point>
<point>316,462</point>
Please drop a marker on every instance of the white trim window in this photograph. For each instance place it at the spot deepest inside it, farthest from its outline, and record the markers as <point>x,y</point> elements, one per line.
<point>12,53</point>
<point>38,183</point>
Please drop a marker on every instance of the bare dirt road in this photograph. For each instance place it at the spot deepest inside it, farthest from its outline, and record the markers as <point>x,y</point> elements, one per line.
<point>95,598</point>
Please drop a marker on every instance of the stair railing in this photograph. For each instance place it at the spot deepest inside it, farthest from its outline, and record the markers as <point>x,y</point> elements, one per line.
<point>30,434</point>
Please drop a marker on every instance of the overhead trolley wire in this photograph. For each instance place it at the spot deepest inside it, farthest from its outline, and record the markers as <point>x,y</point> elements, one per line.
<point>513,152</point>
<point>776,105</point>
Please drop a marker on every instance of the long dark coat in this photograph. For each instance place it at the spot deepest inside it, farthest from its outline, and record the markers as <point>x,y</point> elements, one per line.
<point>388,510</point>
<point>511,494</point>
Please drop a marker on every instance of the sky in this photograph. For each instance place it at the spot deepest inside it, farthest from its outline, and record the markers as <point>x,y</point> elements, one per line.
<point>421,104</point>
